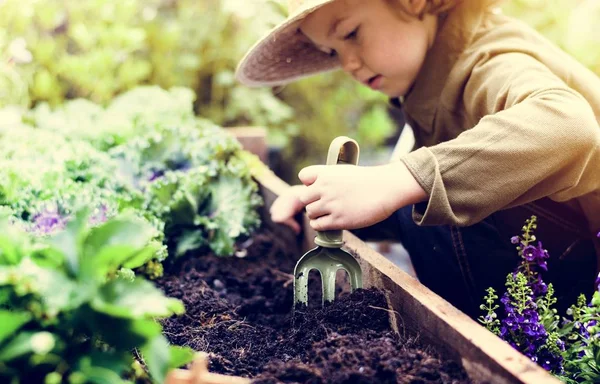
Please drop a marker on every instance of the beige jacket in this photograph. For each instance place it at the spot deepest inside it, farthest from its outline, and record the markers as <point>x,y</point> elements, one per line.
<point>502,118</point>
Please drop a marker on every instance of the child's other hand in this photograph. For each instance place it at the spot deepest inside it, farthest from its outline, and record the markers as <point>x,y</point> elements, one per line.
<point>350,197</point>
<point>286,206</point>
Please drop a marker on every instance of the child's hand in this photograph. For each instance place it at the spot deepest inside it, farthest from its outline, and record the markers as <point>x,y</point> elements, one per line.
<point>286,206</point>
<point>349,197</point>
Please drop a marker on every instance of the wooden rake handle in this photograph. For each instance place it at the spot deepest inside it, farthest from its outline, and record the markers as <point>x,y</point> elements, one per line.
<point>199,374</point>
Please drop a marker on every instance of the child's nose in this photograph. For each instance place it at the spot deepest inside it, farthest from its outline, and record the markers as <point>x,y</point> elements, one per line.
<point>350,62</point>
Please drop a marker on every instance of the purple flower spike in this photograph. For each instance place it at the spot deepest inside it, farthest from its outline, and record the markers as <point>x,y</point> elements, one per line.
<point>530,253</point>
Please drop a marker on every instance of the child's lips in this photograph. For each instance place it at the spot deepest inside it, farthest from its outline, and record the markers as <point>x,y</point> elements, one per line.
<point>375,82</point>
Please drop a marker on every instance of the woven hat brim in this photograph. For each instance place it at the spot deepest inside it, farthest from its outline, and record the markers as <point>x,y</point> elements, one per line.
<point>284,55</point>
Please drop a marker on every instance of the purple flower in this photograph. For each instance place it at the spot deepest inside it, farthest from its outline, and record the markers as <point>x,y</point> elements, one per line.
<point>514,239</point>
<point>48,221</point>
<point>156,175</point>
<point>99,216</point>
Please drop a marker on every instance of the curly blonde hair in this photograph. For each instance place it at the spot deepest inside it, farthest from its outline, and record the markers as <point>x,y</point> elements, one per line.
<point>433,7</point>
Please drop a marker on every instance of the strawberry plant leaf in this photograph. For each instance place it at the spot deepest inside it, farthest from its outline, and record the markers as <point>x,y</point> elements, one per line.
<point>157,356</point>
<point>134,299</point>
<point>180,356</point>
<point>11,322</point>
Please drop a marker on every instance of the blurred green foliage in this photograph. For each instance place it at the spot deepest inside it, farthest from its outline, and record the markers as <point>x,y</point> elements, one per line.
<point>571,24</point>
<point>51,50</point>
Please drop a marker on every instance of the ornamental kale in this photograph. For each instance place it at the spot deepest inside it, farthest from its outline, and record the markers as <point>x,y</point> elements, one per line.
<point>570,349</point>
<point>125,117</point>
<point>144,152</point>
<point>195,181</point>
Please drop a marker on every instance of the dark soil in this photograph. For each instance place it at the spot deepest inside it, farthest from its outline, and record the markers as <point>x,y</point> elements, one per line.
<point>240,310</point>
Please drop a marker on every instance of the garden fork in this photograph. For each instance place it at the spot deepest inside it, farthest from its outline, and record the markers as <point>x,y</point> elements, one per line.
<point>328,257</point>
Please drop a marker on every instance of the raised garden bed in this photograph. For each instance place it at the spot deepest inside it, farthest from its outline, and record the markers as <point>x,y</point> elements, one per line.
<point>94,222</point>
<point>396,330</point>
<point>240,310</point>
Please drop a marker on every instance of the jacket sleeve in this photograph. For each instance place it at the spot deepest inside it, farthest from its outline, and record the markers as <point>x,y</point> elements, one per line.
<point>535,137</point>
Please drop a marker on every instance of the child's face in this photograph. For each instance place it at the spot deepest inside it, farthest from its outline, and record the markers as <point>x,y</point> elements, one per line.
<point>377,43</point>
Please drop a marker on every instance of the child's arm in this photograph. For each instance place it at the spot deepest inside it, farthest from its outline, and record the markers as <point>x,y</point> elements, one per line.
<point>348,197</point>
<point>534,136</point>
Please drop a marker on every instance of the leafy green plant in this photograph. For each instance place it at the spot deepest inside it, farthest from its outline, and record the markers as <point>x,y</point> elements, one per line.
<point>71,312</point>
<point>197,183</point>
<point>145,152</point>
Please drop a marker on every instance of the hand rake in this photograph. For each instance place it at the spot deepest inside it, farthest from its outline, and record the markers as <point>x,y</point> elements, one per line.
<point>328,257</point>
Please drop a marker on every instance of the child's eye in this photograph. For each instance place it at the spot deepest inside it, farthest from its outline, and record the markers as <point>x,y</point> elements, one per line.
<point>351,35</point>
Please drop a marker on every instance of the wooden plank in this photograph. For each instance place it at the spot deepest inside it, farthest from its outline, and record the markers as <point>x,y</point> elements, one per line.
<point>485,357</point>
<point>253,139</point>
<point>419,311</point>
<point>199,374</point>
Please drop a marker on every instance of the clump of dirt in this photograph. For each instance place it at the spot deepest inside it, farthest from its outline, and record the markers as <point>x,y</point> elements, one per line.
<point>241,311</point>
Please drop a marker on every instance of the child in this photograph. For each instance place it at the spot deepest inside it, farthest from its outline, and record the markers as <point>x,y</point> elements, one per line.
<point>507,126</point>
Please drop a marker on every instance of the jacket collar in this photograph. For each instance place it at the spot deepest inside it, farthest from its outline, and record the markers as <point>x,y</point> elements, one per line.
<point>457,29</point>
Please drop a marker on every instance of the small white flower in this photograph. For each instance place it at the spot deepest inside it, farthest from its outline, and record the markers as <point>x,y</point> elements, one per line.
<point>42,342</point>
<point>17,49</point>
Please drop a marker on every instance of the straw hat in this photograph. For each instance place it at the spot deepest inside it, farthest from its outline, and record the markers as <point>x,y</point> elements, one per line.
<point>284,54</point>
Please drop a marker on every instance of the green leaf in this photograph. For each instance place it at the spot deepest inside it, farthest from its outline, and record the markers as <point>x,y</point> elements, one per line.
<point>49,257</point>
<point>133,232</point>
<point>69,241</point>
<point>233,211</point>
<point>190,240</point>
<point>58,292</point>
<point>132,333</point>
<point>180,356</point>
<point>27,342</point>
<point>104,368</point>
<point>110,245</point>
<point>142,256</point>
<point>109,259</point>
<point>183,208</point>
<point>136,299</point>
<point>162,191</point>
<point>9,253</point>
<point>99,375</point>
<point>5,294</point>
<point>157,356</point>
<point>221,242</point>
<point>11,322</point>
